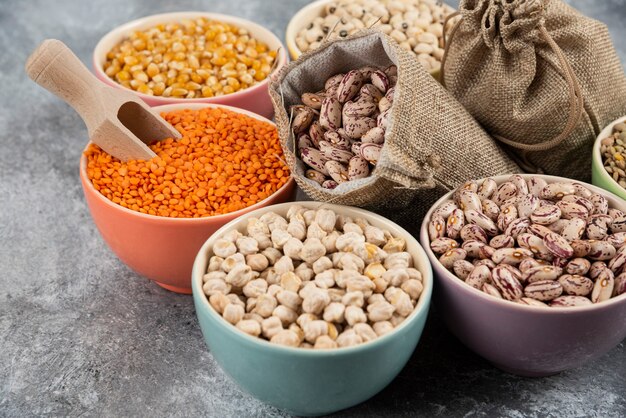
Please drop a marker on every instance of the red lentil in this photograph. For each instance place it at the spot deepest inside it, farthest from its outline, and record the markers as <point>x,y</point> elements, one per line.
<point>224,162</point>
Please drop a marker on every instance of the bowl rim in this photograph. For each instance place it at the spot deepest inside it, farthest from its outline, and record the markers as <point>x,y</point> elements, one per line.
<point>292,30</point>
<point>124,30</point>
<point>295,25</point>
<point>422,306</point>
<point>597,157</point>
<point>160,219</point>
<point>506,304</point>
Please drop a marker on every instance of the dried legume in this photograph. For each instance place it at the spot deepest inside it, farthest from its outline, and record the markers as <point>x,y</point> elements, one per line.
<point>189,59</point>
<point>344,138</point>
<point>552,245</point>
<point>417,25</point>
<point>225,161</point>
<point>613,150</point>
<point>313,296</point>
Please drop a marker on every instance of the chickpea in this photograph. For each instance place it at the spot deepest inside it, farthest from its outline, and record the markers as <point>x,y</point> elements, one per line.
<point>301,282</point>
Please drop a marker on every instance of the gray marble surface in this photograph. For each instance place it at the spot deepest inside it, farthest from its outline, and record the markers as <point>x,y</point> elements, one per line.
<point>81,334</point>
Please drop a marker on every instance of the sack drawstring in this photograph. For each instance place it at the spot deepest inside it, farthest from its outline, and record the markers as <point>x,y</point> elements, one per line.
<point>575,93</point>
<point>447,41</point>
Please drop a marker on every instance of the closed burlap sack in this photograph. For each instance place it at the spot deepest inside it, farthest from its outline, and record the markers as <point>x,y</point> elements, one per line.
<point>539,76</point>
<point>431,144</point>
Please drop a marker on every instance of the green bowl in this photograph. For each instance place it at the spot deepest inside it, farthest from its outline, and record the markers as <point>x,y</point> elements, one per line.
<point>599,176</point>
<point>306,381</point>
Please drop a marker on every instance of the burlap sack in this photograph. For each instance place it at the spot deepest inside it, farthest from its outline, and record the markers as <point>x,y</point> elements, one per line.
<point>538,76</point>
<point>431,145</point>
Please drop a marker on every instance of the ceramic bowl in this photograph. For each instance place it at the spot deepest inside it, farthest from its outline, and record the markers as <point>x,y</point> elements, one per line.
<point>520,339</point>
<point>302,19</point>
<point>163,249</point>
<point>599,176</point>
<point>255,98</point>
<point>306,381</point>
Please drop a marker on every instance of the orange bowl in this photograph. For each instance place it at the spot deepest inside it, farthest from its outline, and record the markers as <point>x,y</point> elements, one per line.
<point>163,249</point>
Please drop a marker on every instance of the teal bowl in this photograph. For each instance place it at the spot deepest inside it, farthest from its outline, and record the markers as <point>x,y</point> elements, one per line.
<point>305,381</point>
<point>599,176</point>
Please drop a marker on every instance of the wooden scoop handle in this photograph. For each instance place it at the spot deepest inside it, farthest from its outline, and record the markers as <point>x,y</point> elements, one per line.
<point>55,67</point>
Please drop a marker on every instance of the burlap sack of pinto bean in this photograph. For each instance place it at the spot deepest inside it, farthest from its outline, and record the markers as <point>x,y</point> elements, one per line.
<point>539,77</point>
<point>431,142</point>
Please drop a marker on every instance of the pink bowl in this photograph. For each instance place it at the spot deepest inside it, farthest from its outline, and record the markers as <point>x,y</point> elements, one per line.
<point>255,99</point>
<point>163,249</point>
<point>521,339</point>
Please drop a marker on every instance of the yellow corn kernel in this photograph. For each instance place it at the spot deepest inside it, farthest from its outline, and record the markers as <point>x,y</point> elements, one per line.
<point>179,92</point>
<point>122,76</point>
<point>190,58</point>
<point>130,60</point>
<point>246,79</point>
<point>193,61</point>
<point>140,76</point>
<point>112,70</point>
<point>192,86</point>
<point>145,90</point>
<point>234,83</point>
<point>158,89</point>
<point>219,61</point>
<point>152,70</point>
<point>225,74</point>
<point>207,91</point>
<point>203,73</point>
<point>183,78</point>
<point>178,47</point>
<point>139,44</point>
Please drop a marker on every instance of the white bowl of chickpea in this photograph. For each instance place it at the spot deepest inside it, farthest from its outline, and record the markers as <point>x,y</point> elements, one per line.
<point>293,363</point>
<point>192,57</point>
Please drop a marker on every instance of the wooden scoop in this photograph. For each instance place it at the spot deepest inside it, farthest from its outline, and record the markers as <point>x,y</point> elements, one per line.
<point>117,120</point>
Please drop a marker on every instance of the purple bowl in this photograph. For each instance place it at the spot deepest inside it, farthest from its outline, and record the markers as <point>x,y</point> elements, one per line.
<point>520,339</point>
